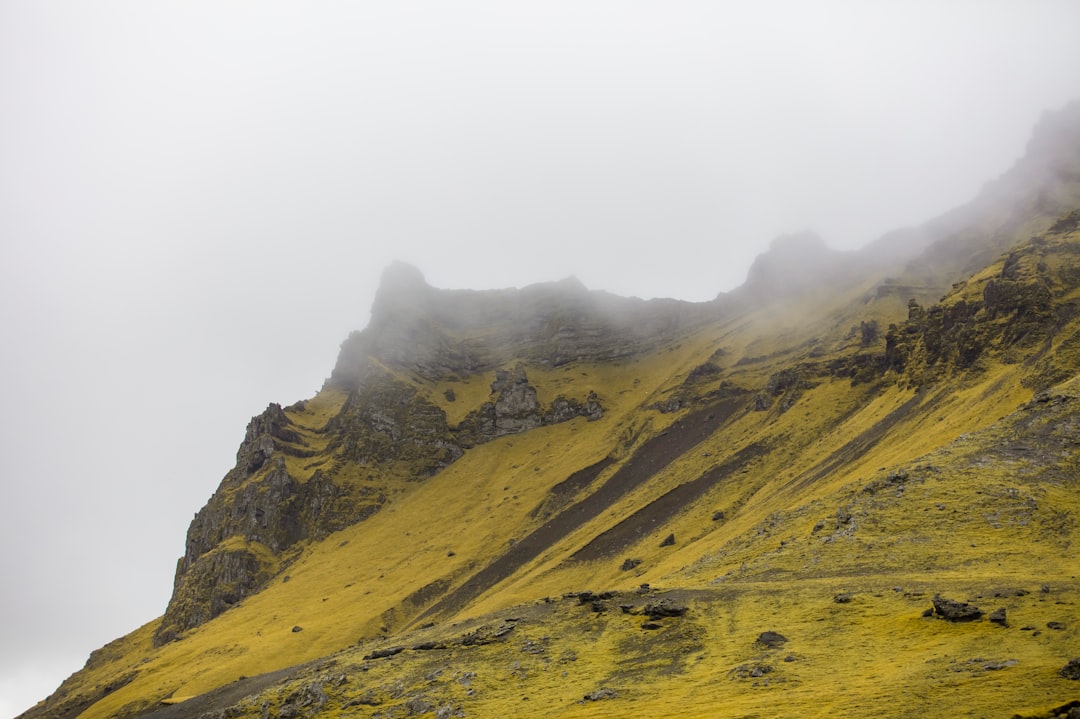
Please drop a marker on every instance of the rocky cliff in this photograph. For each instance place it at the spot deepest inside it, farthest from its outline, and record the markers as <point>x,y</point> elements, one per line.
<point>438,333</point>
<point>392,428</point>
<point>551,501</point>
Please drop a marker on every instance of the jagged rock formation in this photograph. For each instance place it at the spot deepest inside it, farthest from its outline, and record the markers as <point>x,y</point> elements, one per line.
<point>517,409</point>
<point>235,542</point>
<point>390,427</point>
<point>436,333</point>
<point>242,536</point>
<point>1025,304</point>
<point>259,440</point>
<point>555,493</point>
<point>386,422</point>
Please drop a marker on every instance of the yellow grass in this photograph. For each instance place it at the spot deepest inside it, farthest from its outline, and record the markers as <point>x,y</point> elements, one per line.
<point>967,520</point>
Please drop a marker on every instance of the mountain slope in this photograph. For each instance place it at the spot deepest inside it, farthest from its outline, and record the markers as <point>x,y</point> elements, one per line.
<point>465,519</point>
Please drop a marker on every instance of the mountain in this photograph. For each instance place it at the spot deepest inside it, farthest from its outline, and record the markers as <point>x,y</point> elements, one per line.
<point>848,487</point>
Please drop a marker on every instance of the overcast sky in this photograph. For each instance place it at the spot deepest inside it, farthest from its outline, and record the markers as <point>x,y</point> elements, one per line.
<point>197,198</point>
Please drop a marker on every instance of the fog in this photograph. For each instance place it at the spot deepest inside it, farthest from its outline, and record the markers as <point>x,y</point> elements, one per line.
<point>197,199</point>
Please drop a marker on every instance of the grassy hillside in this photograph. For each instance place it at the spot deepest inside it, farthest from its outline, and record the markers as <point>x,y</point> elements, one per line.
<point>570,505</point>
<point>827,508</point>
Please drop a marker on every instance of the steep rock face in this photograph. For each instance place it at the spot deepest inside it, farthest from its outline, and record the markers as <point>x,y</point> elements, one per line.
<point>259,440</point>
<point>390,427</point>
<point>388,422</point>
<point>275,512</point>
<point>437,333</point>
<point>248,508</point>
<point>217,581</point>
<point>259,503</point>
<point>386,425</point>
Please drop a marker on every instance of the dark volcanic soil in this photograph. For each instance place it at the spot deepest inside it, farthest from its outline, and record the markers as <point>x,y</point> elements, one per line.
<point>652,457</point>
<point>222,696</point>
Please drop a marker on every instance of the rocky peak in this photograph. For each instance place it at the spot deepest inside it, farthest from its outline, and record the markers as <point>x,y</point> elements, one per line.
<point>259,438</point>
<point>1055,141</point>
<point>402,292</point>
<point>793,264</point>
<point>437,332</point>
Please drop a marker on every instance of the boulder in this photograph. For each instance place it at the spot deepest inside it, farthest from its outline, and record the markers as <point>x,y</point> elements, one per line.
<point>955,611</point>
<point>664,608</point>
<point>1071,670</point>
<point>384,653</point>
<point>772,640</point>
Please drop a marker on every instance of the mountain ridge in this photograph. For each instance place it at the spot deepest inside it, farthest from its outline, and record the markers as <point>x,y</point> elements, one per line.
<point>628,462</point>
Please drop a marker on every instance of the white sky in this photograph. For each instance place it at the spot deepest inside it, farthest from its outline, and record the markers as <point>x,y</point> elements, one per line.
<point>196,201</point>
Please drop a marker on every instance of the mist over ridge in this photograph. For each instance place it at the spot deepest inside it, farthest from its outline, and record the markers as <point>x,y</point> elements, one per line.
<point>199,201</point>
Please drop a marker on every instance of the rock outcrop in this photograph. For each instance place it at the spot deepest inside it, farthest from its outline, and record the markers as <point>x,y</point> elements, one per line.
<point>515,408</point>
<point>387,422</point>
<point>1023,306</point>
<point>439,373</point>
<point>216,581</point>
<point>420,337</point>
<point>264,434</point>
<point>955,611</point>
<point>258,513</point>
<point>239,537</point>
<point>436,333</point>
<point>261,510</point>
